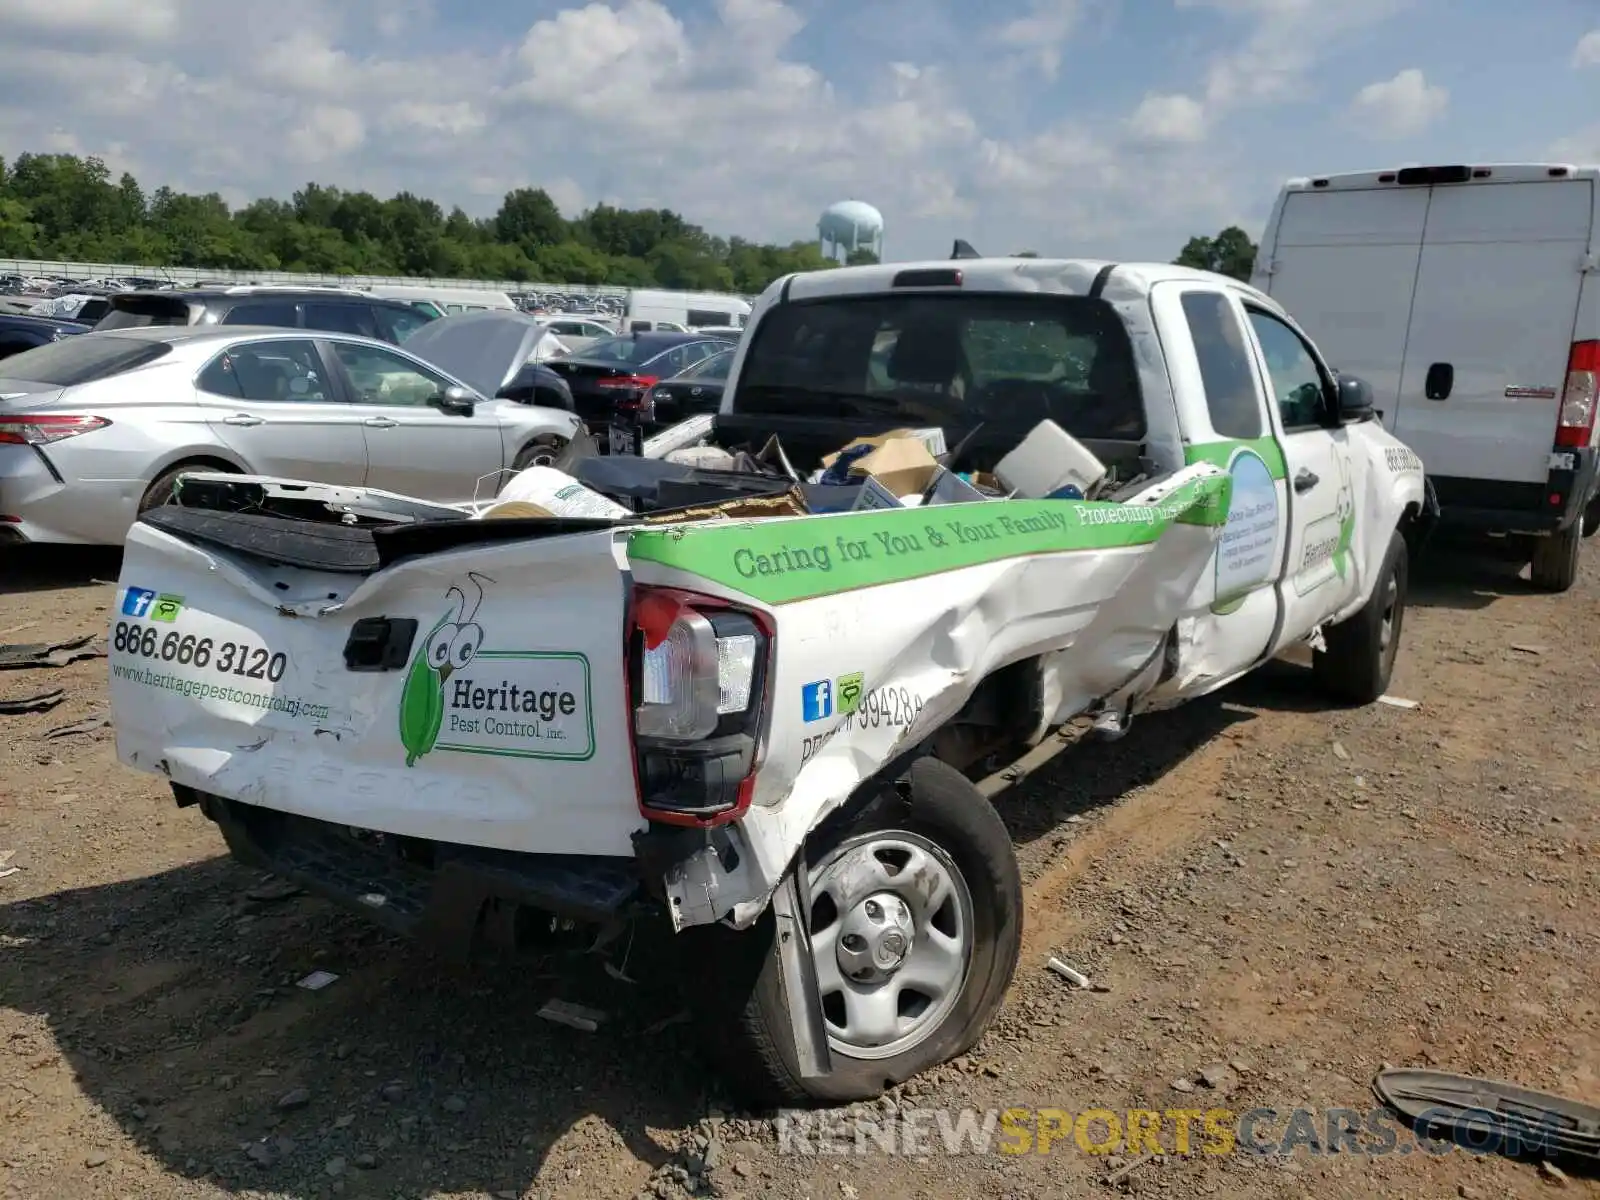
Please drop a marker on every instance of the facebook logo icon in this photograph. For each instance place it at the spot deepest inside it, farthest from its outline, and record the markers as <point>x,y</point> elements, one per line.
<point>137,601</point>
<point>816,699</point>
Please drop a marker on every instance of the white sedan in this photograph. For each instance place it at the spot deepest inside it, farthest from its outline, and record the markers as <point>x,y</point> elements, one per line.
<point>96,429</point>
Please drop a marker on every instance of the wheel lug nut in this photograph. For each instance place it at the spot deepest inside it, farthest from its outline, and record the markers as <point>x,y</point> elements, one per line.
<point>874,910</point>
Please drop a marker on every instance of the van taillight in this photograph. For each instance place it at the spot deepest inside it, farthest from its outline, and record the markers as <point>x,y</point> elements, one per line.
<point>697,683</point>
<point>1575,429</point>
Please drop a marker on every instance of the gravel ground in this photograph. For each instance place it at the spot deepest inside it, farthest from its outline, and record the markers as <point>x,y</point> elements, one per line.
<point>1272,899</point>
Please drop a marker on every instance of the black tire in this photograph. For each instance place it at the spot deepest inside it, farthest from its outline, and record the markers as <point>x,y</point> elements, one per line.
<point>160,492</point>
<point>541,452</point>
<point>1361,651</point>
<point>933,805</point>
<point>1591,518</point>
<point>1555,559</point>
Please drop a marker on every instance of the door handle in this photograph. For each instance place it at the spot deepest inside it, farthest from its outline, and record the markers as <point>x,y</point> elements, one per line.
<point>379,423</point>
<point>1305,480</point>
<point>242,419</point>
<point>1441,378</point>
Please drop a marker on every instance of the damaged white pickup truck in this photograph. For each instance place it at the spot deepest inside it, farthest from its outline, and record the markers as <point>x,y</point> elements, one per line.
<point>783,732</point>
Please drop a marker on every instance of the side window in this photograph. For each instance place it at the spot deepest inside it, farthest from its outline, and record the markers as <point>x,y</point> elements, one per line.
<point>341,318</point>
<point>273,372</point>
<point>1297,381</point>
<point>1225,368</point>
<point>397,324</point>
<point>269,312</point>
<point>220,378</point>
<point>382,377</point>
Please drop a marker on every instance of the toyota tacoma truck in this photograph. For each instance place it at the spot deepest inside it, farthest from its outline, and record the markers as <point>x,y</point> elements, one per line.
<point>785,736</point>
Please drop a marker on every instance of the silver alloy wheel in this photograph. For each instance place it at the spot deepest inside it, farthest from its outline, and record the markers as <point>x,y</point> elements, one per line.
<point>891,936</point>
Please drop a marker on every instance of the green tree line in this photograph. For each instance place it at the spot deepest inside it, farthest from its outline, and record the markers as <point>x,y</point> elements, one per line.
<point>61,207</point>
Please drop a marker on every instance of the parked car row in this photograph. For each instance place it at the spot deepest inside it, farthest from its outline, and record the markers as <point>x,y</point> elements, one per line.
<point>336,387</point>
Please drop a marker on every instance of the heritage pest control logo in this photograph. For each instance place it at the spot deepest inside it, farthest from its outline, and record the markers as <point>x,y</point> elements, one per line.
<point>450,646</point>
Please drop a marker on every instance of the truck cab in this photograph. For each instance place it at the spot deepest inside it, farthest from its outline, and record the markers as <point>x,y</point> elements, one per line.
<point>1467,297</point>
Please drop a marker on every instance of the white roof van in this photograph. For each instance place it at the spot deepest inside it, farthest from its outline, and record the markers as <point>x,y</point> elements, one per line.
<point>1467,296</point>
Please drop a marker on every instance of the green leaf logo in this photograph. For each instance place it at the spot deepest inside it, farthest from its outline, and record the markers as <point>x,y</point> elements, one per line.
<point>421,709</point>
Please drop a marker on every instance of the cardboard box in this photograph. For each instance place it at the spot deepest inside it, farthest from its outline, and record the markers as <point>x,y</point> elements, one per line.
<point>947,487</point>
<point>875,496</point>
<point>903,465</point>
<point>787,504</point>
<point>932,440</point>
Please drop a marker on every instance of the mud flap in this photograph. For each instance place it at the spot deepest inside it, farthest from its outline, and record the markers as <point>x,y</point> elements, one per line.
<point>1489,1116</point>
<point>791,942</point>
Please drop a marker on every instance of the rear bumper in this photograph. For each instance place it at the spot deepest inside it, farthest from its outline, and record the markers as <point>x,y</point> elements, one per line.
<point>52,506</point>
<point>1540,509</point>
<point>451,896</point>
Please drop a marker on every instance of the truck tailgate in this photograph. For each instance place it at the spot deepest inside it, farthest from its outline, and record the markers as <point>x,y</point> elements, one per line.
<point>486,706</point>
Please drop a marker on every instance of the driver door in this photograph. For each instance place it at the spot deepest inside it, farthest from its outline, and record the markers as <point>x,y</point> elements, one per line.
<point>414,447</point>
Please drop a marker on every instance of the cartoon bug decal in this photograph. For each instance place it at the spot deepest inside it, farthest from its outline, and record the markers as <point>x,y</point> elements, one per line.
<point>450,645</point>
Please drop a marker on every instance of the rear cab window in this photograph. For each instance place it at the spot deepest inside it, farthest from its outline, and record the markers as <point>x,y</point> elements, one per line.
<point>82,360</point>
<point>953,360</point>
<point>1226,371</point>
<point>137,312</point>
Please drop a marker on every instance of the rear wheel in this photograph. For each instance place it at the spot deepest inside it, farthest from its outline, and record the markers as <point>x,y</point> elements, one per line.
<point>1361,649</point>
<point>916,926</point>
<point>161,491</point>
<point>1555,559</point>
<point>541,452</point>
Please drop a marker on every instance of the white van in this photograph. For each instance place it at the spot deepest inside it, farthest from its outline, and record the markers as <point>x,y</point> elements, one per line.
<point>683,312</point>
<point>1467,297</point>
<point>444,301</point>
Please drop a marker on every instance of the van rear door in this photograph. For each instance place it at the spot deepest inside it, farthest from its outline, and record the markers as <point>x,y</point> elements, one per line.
<point>1493,316</point>
<point>1344,265</point>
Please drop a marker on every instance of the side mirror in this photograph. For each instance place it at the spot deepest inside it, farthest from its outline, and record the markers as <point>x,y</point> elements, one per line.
<point>457,400</point>
<point>1353,400</point>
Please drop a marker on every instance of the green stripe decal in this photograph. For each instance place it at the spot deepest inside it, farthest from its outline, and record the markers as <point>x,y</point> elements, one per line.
<point>1219,453</point>
<point>781,561</point>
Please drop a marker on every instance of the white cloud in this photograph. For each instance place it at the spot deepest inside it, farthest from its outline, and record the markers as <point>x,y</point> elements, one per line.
<point>1276,61</point>
<point>1160,119</point>
<point>1587,51</point>
<point>1400,107</point>
<point>1040,34</point>
<point>735,114</point>
<point>109,20</point>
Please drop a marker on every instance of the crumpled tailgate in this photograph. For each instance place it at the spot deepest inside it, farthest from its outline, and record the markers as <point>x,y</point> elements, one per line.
<point>499,719</point>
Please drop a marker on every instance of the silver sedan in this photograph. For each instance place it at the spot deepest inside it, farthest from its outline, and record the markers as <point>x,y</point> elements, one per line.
<point>97,428</point>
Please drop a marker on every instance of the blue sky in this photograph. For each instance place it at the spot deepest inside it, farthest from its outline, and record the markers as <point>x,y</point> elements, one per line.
<point>1096,127</point>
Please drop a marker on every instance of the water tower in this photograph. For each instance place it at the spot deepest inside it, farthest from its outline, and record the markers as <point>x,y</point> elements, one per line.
<point>851,225</point>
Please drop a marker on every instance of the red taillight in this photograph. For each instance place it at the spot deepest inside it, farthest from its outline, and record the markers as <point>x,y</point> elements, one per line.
<point>46,428</point>
<point>697,684</point>
<point>629,382</point>
<point>1576,426</point>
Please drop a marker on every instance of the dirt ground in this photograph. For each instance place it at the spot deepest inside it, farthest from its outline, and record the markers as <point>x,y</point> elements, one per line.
<point>1273,899</point>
